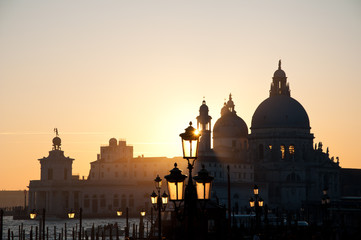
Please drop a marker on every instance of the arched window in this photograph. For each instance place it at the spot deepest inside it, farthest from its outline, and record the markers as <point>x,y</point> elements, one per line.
<point>115,200</point>
<point>86,201</point>
<point>291,149</point>
<point>131,201</point>
<point>124,202</point>
<point>282,149</point>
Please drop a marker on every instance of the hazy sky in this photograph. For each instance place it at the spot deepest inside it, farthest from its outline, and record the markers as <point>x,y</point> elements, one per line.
<point>138,70</point>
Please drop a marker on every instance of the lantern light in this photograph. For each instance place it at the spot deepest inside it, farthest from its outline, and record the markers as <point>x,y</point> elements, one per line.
<point>154,198</point>
<point>190,141</point>
<point>255,190</point>
<point>33,214</point>
<point>260,202</point>
<point>164,199</point>
<point>119,213</point>
<point>203,184</point>
<point>71,214</point>
<point>251,202</point>
<point>142,213</point>
<point>176,184</point>
<point>158,182</point>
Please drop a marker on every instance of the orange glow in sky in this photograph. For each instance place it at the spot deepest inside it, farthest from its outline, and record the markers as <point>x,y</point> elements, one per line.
<point>138,70</point>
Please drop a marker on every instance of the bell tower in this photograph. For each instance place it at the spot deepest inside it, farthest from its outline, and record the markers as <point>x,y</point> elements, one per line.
<point>204,126</point>
<point>279,86</point>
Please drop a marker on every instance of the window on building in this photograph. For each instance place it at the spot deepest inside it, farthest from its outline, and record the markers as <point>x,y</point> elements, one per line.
<point>131,201</point>
<point>291,149</point>
<point>50,174</point>
<point>65,174</point>
<point>124,202</point>
<point>282,149</point>
<point>86,201</point>
<point>102,200</point>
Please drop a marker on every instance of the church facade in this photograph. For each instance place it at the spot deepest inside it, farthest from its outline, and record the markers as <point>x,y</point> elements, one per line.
<point>284,162</point>
<point>278,155</point>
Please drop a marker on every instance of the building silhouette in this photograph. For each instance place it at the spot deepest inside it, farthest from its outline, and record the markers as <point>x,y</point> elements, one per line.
<point>278,154</point>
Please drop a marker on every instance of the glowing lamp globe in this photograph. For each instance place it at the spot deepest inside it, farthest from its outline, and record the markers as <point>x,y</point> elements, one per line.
<point>71,214</point>
<point>119,213</point>
<point>164,199</point>
<point>175,182</point>
<point>154,198</point>
<point>251,202</point>
<point>190,141</point>
<point>33,214</point>
<point>203,184</point>
<point>158,182</point>
<point>255,190</point>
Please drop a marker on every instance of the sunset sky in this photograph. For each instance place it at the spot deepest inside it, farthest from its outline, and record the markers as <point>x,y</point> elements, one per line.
<point>138,70</point>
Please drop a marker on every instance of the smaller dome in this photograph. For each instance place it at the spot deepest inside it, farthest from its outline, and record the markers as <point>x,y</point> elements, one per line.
<point>113,142</point>
<point>279,73</point>
<point>203,108</point>
<point>230,125</point>
<point>56,142</point>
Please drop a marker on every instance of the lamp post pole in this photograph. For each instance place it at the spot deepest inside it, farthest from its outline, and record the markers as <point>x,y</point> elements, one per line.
<point>80,221</point>
<point>1,224</point>
<point>43,218</point>
<point>159,203</point>
<point>257,203</point>
<point>190,194</point>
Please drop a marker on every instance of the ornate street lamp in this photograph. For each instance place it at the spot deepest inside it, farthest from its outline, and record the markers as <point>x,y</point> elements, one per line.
<point>203,184</point>
<point>255,190</point>
<point>119,212</point>
<point>159,202</point>
<point>33,215</point>
<point>325,201</point>
<point>251,202</point>
<point>142,213</point>
<point>71,215</point>
<point>190,142</point>
<point>256,202</point>
<point>191,193</point>
<point>175,182</point>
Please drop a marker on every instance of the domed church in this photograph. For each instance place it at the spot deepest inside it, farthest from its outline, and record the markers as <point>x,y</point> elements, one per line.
<point>279,151</point>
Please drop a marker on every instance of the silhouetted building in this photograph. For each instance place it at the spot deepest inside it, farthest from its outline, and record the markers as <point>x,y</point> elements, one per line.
<point>279,152</point>
<point>116,181</point>
<point>278,155</point>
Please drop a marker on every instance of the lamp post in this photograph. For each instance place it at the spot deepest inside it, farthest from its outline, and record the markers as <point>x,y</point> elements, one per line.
<point>71,215</point>
<point>325,202</point>
<point>33,215</point>
<point>141,224</point>
<point>159,203</point>
<point>1,223</point>
<point>189,194</point>
<point>256,202</point>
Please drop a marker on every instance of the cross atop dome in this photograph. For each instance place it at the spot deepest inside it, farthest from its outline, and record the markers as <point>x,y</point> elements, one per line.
<point>56,140</point>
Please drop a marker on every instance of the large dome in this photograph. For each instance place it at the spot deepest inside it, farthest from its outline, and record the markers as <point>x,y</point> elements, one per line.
<point>230,125</point>
<point>280,112</point>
